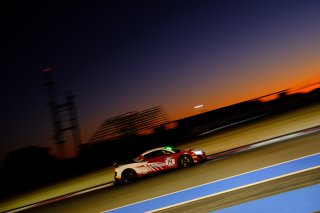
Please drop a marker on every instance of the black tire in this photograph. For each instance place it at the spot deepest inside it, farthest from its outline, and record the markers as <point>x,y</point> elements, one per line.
<point>129,176</point>
<point>185,161</point>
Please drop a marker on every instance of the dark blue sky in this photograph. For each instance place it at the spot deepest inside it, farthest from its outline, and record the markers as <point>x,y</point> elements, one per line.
<point>119,56</point>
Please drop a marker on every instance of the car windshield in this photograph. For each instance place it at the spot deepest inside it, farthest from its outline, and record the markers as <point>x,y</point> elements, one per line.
<point>140,159</point>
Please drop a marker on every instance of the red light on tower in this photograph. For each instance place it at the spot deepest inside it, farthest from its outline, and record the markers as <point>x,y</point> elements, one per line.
<point>48,69</point>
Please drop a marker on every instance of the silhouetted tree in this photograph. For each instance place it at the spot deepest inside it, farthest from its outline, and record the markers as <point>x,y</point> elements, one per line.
<point>30,166</point>
<point>29,156</point>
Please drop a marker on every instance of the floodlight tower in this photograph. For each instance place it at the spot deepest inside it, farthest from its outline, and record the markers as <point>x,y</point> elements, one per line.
<point>54,108</point>
<point>73,119</point>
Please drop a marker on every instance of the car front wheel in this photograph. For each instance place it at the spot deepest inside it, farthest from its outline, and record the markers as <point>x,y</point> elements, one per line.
<point>129,176</point>
<point>185,161</point>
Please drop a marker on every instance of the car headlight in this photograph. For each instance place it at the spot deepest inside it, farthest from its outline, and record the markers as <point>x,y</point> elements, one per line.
<point>198,152</point>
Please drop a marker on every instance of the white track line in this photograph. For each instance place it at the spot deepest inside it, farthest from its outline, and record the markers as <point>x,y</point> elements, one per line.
<point>230,190</point>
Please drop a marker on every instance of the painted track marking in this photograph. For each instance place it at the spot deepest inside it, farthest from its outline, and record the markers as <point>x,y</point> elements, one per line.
<point>218,186</point>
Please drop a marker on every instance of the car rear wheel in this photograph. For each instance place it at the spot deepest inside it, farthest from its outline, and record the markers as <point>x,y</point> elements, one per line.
<point>129,176</point>
<point>185,161</point>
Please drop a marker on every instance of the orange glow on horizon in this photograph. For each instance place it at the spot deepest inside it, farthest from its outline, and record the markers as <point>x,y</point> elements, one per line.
<point>298,88</point>
<point>269,98</point>
<point>305,89</point>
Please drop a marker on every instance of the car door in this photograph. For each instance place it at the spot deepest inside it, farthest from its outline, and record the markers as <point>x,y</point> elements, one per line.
<point>156,160</point>
<point>170,160</point>
<point>160,160</point>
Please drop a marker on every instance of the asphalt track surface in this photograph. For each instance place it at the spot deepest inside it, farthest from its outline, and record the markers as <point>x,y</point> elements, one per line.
<point>248,193</point>
<point>114,197</point>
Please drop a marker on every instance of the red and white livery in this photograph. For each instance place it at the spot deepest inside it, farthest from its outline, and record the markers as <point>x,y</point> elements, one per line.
<point>157,160</point>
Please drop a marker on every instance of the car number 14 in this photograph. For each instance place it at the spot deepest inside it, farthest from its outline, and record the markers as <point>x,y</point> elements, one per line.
<point>170,161</point>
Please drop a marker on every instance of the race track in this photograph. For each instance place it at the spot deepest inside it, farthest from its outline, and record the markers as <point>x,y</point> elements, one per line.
<point>110,198</point>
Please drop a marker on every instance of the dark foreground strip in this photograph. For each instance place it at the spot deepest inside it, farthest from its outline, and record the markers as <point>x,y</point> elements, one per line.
<point>214,156</point>
<point>55,199</point>
<point>242,195</point>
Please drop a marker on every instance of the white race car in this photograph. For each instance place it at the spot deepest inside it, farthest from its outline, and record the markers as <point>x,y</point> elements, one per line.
<point>157,160</point>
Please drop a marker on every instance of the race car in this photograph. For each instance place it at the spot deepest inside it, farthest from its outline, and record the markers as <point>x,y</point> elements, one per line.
<point>157,160</point>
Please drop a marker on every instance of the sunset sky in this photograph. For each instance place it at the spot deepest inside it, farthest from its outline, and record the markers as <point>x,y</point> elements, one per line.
<point>119,56</point>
